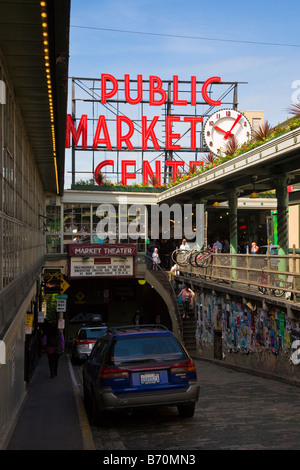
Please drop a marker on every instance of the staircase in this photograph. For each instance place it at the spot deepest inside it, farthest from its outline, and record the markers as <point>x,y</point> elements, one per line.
<point>160,281</point>
<point>162,284</point>
<point>189,333</point>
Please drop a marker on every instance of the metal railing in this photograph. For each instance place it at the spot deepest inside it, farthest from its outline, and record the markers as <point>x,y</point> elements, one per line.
<point>270,274</point>
<point>149,262</point>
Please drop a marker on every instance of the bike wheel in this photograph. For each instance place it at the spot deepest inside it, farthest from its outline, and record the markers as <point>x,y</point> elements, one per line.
<point>174,256</point>
<point>182,258</point>
<point>263,290</point>
<point>203,259</point>
<point>278,292</point>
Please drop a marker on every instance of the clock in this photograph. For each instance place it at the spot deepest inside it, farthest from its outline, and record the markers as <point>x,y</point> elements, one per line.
<point>222,126</point>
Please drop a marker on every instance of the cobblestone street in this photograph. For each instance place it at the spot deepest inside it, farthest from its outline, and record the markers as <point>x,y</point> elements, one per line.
<point>235,411</point>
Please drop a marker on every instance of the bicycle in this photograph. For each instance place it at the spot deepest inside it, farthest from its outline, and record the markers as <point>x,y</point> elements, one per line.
<point>184,257</point>
<point>280,285</point>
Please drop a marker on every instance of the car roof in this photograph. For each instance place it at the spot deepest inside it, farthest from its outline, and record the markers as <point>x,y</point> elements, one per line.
<point>270,246</point>
<point>134,330</point>
<point>92,327</point>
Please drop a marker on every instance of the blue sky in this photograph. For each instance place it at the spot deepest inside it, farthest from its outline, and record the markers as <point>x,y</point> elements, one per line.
<point>270,70</point>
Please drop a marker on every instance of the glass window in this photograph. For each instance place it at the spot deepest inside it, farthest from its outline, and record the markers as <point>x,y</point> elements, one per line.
<point>156,348</point>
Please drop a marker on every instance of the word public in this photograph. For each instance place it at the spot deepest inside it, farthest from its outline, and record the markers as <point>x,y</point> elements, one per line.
<point>157,97</point>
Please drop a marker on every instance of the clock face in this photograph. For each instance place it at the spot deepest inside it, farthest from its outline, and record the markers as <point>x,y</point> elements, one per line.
<point>222,126</point>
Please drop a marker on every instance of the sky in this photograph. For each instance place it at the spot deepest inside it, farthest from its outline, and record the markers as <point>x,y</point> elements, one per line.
<point>255,42</point>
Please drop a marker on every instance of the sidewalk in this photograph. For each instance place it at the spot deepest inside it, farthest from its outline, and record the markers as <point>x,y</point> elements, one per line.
<point>53,416</point>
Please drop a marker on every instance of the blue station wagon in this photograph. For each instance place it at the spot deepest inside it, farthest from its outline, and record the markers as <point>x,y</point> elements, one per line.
<point>139,366</point>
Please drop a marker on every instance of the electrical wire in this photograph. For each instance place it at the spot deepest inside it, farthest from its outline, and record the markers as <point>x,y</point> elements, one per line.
<point>185,37</point>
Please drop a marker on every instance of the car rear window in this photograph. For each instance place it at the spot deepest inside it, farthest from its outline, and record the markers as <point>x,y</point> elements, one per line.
<point>147,348</point>
<point>92,333</point>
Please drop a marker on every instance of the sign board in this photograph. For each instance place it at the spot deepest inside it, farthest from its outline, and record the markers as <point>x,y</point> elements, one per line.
<point>84,250</point>
<point>28,323</point>
<point>41,317</point>
<point>61,305</point>
<point>93,267</point>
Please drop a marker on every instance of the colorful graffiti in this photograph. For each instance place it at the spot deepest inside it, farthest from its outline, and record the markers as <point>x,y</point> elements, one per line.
<point>246,328</point>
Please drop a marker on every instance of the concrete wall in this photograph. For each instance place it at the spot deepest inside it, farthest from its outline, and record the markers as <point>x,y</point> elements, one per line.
<point>250,334</point>
<point>12,383</point>
<point>294,226</point>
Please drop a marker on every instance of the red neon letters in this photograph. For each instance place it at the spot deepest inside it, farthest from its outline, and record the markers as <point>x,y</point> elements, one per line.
<point>125,130</point>
<point>154,95</point>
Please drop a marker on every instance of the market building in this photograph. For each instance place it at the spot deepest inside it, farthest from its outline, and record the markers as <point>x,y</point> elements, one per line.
<point>34,45</point>
<point>89,246</point>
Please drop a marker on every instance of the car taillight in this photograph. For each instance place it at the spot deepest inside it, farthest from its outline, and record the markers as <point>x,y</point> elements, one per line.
<point>84,341</point>
<point>112,373</point>
<point>188,366</point>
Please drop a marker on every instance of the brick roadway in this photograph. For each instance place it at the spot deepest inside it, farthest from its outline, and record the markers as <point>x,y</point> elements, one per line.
<point>235,411</point>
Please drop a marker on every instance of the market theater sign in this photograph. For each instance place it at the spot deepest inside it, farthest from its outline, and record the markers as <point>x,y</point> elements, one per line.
<point>157,97</point>
<point>116,260</point>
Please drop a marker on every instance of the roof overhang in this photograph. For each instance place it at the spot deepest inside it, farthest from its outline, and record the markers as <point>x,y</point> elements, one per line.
<point>23,49</point>
<point>253,171</point>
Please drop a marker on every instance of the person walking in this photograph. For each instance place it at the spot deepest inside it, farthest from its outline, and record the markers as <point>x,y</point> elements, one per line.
<point>54,343</point>
<point>184,245</point>
<point>187,296</point>
<point>137,318</point>
<point>155,259</point>
<point>254,248</point>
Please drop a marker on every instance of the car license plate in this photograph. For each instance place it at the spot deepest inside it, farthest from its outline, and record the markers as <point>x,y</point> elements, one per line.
<point>150,378</point>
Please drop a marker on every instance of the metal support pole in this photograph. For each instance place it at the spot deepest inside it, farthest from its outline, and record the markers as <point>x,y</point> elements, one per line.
<point>281,184</point>
<point>73,145</point>
<point>233,204</point>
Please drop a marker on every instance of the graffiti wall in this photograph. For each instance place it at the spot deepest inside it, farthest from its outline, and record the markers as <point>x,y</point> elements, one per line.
<point>267,336</point>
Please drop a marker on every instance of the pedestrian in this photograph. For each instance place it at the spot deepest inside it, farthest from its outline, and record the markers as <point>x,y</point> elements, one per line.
<point>217,248</point>
<point>155,259</point>
<point>54,343</point>
<point>172,273</point>
<point>254,248</point>
<point>187,297</point>
<point>137,318</point>
<point>226,246</point>
<point>184,245</point>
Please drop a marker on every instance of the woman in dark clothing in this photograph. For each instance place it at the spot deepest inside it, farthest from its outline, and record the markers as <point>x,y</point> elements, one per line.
<point>54,343</point>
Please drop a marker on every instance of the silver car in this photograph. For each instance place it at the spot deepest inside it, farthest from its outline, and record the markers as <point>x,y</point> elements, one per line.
<point>83,343</point>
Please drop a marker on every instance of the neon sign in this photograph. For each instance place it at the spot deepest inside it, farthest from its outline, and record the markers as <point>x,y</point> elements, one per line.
<point>156,96</point>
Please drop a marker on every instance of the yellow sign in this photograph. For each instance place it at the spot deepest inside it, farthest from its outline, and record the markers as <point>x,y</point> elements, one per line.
<point>64,285</point>
<point>80,298</point>
<point>29,319</point>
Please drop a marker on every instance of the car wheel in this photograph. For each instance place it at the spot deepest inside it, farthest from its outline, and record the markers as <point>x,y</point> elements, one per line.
<point>186,411</point>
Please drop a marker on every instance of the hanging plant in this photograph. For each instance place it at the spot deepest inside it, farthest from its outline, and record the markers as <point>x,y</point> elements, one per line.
<point>100,178</point>
<point>210,158</point>
<point>231,147</point>
<point>263,132</point>
<point>294,109</point>
<point>154,180</point>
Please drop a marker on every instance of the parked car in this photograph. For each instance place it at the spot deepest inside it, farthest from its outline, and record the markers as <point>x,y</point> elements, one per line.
<point>139,366</point>
<point>83,319</point>
<point>84,341</point>
<point>263,250</point>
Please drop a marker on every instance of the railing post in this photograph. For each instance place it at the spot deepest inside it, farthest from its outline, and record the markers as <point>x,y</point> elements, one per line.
<point>233,225</point>
<point>281,184</point>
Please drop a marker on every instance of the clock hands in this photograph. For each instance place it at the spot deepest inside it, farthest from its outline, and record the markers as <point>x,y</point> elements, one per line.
<point>229,134</point>
<point>219,129</point>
